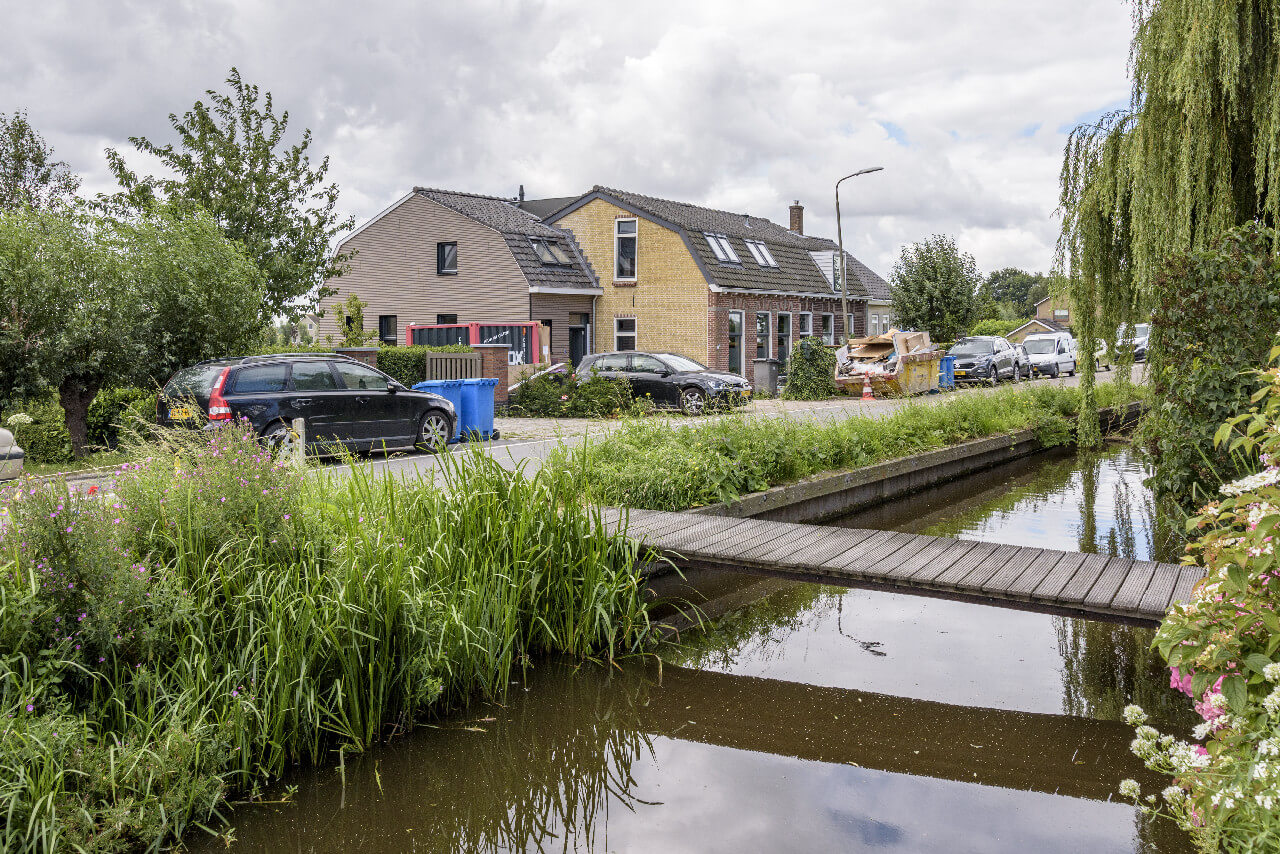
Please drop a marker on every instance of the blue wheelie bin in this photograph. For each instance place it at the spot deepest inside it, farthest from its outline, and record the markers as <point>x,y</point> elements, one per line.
<point>947,373</point>
<point>477,408</point>
<point>450,390</point>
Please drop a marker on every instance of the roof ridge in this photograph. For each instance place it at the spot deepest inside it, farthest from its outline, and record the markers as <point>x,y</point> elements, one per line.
<point>510,201</point>
<point>604,189</point>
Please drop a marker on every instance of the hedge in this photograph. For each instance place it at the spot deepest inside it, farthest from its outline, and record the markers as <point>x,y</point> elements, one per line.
<point>408,365</point>
<point>42,433</point>
<point>113,407</point>
<point>995,327</point>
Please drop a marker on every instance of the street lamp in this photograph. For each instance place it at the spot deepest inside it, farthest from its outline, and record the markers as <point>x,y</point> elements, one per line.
<point>844,264</point>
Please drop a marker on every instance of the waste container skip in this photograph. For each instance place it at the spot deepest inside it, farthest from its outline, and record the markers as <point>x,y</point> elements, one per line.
<point>476,415</point>
<point>947,373</point>
<point>450,390</point>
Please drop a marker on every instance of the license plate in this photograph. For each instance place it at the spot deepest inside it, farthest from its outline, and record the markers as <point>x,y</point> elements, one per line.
<point>961,373</point>
<point>181,413</point>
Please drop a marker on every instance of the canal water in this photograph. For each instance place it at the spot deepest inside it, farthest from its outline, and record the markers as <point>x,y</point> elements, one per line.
<point>800,717</point>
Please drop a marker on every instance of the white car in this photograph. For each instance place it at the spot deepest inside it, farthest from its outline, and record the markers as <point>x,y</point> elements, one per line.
<point>1052,354</point>
<point>11,456</point>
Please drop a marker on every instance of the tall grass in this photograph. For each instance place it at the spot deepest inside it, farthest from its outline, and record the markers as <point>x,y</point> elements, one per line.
<point>660,467</point>
<point>227,616</point>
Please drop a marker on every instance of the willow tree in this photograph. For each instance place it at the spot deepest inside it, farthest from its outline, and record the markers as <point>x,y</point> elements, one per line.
<point>1196,153</point>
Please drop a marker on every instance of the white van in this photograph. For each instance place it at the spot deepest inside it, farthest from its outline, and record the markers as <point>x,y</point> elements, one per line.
<point>1052,354</point>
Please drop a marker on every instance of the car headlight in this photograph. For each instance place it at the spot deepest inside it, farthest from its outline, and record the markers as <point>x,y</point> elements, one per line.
<point>715,385</point>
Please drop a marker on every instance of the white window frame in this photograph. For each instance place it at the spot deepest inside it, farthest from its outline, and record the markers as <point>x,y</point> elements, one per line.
<point>617,238</point>
<point>783,353</point>
<point>829,328</point>
<point>873,325</point>
<point>768,335</point>
<point>805,328</point>
<point>634,333</point>
<point>722,248</point>
<point>741,316</point>
<point>761,253</point>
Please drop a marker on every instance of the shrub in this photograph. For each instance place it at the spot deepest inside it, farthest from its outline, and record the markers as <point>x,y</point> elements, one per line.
<point>560,395</point>
<point>810,371</point>
<point>408,365</point>
<point>1217,314</point>
<point>995,327</point>
<point>41,431</point>
<point>113,408</point>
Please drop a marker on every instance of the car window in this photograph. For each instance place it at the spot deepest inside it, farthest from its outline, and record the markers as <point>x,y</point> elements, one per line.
<point>313,376</point>
<point>642,364</point>
<point>361,378</point>
<point>971,348</point>
<point>615,362</point>
<point>193,381</point>
<point>261,378</point>
<point>680,363</point>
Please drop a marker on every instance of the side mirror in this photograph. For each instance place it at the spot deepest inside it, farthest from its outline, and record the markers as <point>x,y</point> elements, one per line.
<point>393,388</point>
<point>664,373</point>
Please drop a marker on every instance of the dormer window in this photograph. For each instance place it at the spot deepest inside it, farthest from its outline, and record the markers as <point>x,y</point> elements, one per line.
<point>550,253</point>
<point>720,247</point>
<point>761,253</point>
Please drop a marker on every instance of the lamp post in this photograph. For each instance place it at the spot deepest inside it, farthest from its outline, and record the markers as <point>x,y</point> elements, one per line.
<point>844,265</point>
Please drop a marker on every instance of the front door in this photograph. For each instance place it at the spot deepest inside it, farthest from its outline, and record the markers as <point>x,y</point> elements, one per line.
<point>577,344</point>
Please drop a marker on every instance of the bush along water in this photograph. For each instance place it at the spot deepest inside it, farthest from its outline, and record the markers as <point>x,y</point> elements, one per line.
<point>723,459</point>
<point>222,616</point>
<point>559,395</point>
<point>811,371</point>
<point>1223,648</point>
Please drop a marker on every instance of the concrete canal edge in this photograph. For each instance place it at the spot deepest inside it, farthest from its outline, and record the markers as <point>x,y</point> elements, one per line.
<point>831,496</point>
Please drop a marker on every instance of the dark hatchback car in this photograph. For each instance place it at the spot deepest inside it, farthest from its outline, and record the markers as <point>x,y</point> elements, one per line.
<point>986,359</point>
<point>339,400</point>
<point>670,380</point>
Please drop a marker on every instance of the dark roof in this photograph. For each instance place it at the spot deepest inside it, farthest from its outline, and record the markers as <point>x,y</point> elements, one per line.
<point>543,208</point>
<point>517,228</point>
<point>797,271</point>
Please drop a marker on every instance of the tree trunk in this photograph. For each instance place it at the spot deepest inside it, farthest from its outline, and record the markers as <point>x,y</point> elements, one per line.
<point>75,396</point>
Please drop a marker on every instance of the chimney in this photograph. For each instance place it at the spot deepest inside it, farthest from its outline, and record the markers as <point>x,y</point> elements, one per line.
<point>797,217</point>
<point>522,193</point>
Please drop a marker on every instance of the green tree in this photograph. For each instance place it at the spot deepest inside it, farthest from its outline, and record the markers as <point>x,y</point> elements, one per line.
<point>350,317</point>
<point>1195,155</point>
<point>231,159</point>
<point>934,287</point>
<point>1013,289</point>
<point>89,301</point>
<point>28,173</point>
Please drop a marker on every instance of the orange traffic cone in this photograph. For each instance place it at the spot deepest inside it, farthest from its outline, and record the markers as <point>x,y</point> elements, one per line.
<point>866,388</point>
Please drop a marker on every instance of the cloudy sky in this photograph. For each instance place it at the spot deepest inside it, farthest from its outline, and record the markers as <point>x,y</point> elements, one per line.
<point>730,103</point>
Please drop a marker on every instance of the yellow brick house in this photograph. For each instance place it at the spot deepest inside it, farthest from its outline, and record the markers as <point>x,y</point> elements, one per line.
<point>720,287</point>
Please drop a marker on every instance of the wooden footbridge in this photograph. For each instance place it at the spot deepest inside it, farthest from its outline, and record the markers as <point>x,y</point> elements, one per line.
<point>1039,579</point>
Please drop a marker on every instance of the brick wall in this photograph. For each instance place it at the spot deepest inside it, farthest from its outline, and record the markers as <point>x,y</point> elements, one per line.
<point>721,304</point>
<point>669,297</point>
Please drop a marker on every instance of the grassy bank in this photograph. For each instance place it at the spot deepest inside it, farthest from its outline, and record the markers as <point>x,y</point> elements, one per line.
<point>660,467</point>
<point>223,616</point>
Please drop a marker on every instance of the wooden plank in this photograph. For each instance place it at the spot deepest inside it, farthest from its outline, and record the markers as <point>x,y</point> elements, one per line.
<point>1108,583</point>
<point>727,535</point>
<point>1188,578</point>
<point>1130,592</point>
<point>920,559</point>
<point>1035,574</point>
<point>695,535</point>
<point>960,549</point>
<point>787,543</point>
<point>989,566</point>
<point>962,566</point>
<point>848,562</point>
<point>836,542</point>
<point>999,581</point>
<point>656,524</point>
<point>750,535</point>
<point>1086,576</point>
<point>869,557</point>
<point>1058,577</point>
<point>890,554</point>
<point>1156,599</point>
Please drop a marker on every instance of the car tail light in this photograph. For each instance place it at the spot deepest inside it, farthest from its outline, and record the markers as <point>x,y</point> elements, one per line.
<point>218,408</point>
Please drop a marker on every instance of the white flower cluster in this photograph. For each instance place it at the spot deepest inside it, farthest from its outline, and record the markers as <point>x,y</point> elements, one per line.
<point>1271,703</point>
<point>1174,794</point>
<point>18,419</point>
<point>1130,788</point>
<point>1271,672</point>
<point>1252,483</point>
<point>1134,715</point>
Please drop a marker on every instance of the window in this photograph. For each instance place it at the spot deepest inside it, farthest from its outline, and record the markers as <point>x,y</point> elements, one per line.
<point>848,326</point>
<point>761,253</point>
<point>762,335</point>
<point>873,325</point>
<point>886,322</point>
<point>624,249</point>
<point>263,378</point>
<point>641,364</point>
<point>610,363</point>
<point>735,342</point>
<point>784,336</point>
<point>447,259</point>
<point>445,319</point>
<point>624,333</point>
<point>361,378</point>
<point>720,247</point>
<point>549,253</point>
<point>804,324</point>
<point>313,376</point>
<point>1061,314</point>
<point>828,328</point>
<point>549,325</point>
<point>388,329</point>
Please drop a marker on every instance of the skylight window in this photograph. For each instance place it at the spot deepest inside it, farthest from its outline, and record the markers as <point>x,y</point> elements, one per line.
<point>549,253</point>
<point>720,246</point>
<point>761,253</point>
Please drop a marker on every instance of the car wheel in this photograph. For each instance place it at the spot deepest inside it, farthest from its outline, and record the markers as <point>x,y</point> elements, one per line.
<point>693,401</point>
<point>1072,372</point>
<point>433,432</point>
<point>280,440</point>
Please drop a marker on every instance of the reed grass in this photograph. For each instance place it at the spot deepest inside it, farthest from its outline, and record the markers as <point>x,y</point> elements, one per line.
<point>224,616</point>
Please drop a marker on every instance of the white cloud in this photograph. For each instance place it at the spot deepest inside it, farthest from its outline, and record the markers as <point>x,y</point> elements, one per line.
<point>738,105</point>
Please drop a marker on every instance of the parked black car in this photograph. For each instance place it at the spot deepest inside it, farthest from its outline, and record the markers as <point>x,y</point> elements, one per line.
<point>986,359</point>
<point>339,399</point>
<point>670,380</point>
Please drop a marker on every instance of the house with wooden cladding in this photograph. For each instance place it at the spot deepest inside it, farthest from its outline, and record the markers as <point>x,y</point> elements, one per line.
<point>438,256</point>
<point>720,287</point>
<point>1052,314</point>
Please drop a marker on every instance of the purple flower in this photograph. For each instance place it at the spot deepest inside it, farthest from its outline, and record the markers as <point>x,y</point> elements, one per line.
<point>30,708</point>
